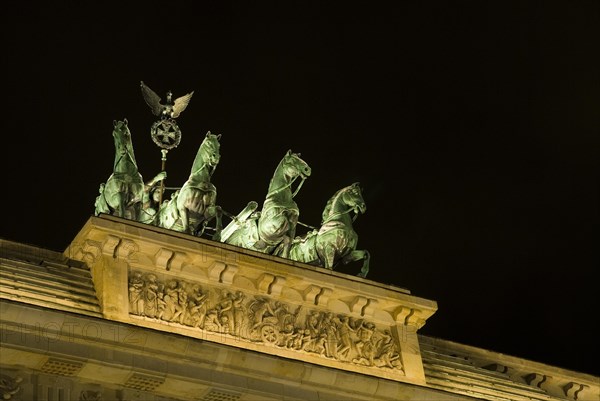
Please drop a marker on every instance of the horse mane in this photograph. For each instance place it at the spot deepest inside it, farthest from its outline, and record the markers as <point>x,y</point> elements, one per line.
<point>208,143</point>
<point>329,204</point>
<point>122,126</point>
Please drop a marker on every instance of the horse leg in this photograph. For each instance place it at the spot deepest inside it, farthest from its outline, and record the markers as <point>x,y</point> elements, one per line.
<point>101,205</point>
<point>183,217</point>
<point>137,210</point>
<point>218,223</point>
<point>288,225</point>
<point>200,231</point>
<point>327,256</point>
<point>120,205</point>
<point>359,255</point>
<point>285,245</point>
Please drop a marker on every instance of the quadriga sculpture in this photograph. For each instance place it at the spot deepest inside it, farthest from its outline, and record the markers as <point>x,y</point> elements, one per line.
<point>191,208</point>
<point>275,224</point>
<point>122,193</point>
<point>335,242</point>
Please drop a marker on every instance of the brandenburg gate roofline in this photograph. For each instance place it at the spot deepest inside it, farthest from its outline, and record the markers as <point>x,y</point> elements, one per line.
<point>174,282</point>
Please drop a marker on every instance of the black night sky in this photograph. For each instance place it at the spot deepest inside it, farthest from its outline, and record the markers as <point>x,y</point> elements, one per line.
<point>473,128</point>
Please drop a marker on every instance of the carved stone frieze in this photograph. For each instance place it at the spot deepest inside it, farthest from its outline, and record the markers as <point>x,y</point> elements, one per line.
<point>261,319</point>
<point>90,395</point>
<point>154,278</point>
<point>9,386</point>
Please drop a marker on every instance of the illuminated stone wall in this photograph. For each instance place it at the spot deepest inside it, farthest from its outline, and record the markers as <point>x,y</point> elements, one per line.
<point>172,282</point>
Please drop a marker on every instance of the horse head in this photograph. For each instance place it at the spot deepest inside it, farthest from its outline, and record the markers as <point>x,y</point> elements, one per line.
<point>289,169</point>
<point>292,166</point>
<point>352,197</point>
<point>123,145</point>
<point>208,155</point>
<point>343,202</point>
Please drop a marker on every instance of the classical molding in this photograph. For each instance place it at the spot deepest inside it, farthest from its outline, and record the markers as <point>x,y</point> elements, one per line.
<point>263,320</point>
<point>164,280</point>
<point>10,386</point>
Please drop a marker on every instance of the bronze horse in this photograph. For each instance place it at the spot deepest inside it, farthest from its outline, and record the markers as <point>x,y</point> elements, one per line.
<point>335,241</point>
<point>191,208</point>
<point>275,224</point>
<point>122,193</point>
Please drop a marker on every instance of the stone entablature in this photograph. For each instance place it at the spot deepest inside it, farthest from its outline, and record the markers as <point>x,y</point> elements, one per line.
<point>485,374</point>
<point>261,320</point>
<point>173,282</point>
<point>52,346</point>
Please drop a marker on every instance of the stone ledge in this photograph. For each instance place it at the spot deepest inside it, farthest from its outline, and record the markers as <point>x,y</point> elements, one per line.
<point>169,281</point>
<point>104,356</point>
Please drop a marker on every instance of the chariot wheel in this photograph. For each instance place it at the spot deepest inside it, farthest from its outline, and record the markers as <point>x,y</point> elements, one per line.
<point>269,334</point>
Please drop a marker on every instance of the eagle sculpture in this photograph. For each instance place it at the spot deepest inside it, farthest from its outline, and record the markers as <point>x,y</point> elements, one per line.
<point>169,109</point>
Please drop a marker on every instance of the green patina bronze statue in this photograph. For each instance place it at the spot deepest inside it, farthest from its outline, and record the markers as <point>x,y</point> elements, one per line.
<point>191,208</point>
<point>152,196</point>
<point>123,192</point>
<point>335,242</point>
<point>270,230</point>
<point>168,110</point>
<point>275,224</point>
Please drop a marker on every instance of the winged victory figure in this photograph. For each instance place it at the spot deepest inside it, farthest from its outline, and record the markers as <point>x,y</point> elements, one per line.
<point>169,109</point>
